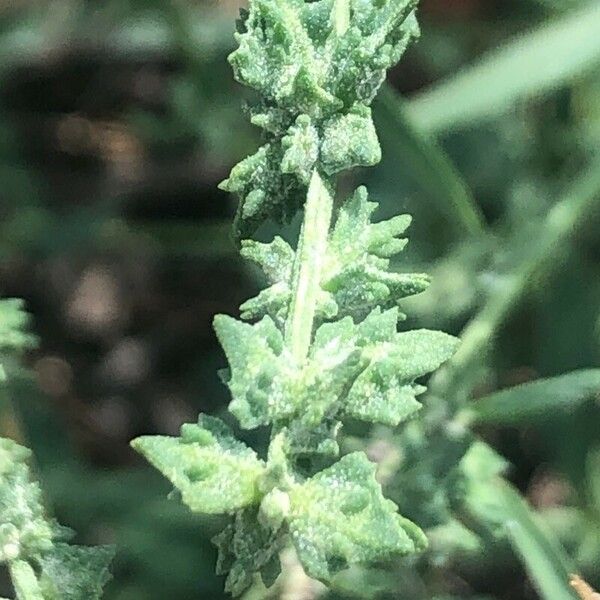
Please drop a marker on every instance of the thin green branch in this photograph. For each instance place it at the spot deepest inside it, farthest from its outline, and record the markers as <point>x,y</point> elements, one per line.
<point>550,243</point>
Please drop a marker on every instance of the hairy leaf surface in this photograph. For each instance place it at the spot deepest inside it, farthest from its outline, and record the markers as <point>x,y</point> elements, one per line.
<point>214,472</point>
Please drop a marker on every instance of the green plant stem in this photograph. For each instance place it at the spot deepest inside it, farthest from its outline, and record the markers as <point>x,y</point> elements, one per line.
<point>546,249</point>
<point>307,269</point>
<point>341,16</point>
<point>25,581</point>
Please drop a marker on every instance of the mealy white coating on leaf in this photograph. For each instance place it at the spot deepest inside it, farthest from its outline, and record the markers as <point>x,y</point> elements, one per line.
<point>366,370</point>
<point>75,572</point>
<point>317,67</point>
<point>325,346</point>
<point>214,472</point>
<point>356,274</point>
<point>340,517</point>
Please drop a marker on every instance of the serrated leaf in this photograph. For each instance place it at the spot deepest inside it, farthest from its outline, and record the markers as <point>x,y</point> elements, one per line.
<point>276,259</point>
<point>253,354</point>
<point>365,370</point>
<point>213,471</point>
<point>301,149</point>
<point>28,537</point>
<point>357,266</point>
<point>261,184</point>
<point>340,517</point>
<point>266,383</point>
<point>356,274</point>
<point>385,391</point>
<point>349,141</point>
<point>75,572</point>
<point>247,547</point>
<point>537,400</point>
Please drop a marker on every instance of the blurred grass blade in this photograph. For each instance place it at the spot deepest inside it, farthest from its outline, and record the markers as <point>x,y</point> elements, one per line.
<point>431,170</point>
<point>549,242</point>
<point>539,399</point>
<point>532,64</point>
<point>546,562</point>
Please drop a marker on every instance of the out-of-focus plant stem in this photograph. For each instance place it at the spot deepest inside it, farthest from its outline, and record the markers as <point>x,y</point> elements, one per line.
<point>547,247</point>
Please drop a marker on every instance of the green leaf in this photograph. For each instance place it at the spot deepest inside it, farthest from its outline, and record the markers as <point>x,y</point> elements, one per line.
<point>276,258</point>
<point>13,324</point>
<point>28,537</point>
<point>349,141</point>
<point>268,385</point>
<point>75,572</point>
<point>546,562</point>
<point>365,370</point>
<point>261,184</point>
<point>593,476</point>
<point>355,277</point>
<point>475,488</point>
<point>213,471</point>
<point>252,352</point>
<point>247,547</point>
<point>532,64</point>
<point>537,400</point>
<point>385,391</point>
<point>499,507</point>
<point>340,517</point>
<point>301,147</point>
<point>24,580</point>
<point>356,270</point>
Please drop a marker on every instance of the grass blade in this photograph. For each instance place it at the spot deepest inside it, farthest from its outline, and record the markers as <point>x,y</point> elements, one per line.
<point>428,165</point>
<point>537,400</point>
<point>546,562</point>
<point>532,64</point>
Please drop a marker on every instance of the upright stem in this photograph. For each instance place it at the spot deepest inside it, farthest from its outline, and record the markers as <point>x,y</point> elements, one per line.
<point>310,256</point>
<point>24,581</point>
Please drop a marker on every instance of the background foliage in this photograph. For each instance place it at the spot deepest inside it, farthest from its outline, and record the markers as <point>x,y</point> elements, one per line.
<point>117,121</point>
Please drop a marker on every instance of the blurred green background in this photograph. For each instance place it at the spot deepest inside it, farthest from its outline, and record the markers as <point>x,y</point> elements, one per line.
<point>118,118</point>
